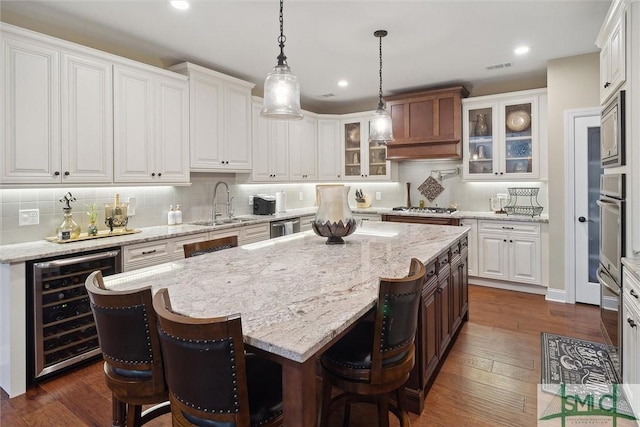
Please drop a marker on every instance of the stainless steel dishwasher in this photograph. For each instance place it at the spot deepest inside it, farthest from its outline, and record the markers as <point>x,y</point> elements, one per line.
<point>285,227</point>
<point>61,330</point>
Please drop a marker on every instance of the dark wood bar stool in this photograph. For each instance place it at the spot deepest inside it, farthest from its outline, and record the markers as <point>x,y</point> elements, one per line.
<point>375,358</point>
<point>128,337</point>
<point>212,382</point>
<point>214,245</point>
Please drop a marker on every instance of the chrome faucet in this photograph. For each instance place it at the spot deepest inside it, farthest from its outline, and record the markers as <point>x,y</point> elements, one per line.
<point>215,212</point>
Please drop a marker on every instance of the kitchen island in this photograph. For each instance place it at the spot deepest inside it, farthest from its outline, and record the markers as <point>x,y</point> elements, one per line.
<point>297,295</point>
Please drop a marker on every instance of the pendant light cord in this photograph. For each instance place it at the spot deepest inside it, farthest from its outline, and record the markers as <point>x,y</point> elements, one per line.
<point>380,102</point>
<point>282,59</point>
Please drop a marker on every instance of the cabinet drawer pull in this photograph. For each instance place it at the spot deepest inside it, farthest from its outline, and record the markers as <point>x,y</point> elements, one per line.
<point>507,228</point>
<point>631,322</point>
<point>149,252</point>
<point>633,293</point>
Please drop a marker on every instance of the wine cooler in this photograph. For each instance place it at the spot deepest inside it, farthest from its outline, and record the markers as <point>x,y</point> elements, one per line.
<point>61,327</point>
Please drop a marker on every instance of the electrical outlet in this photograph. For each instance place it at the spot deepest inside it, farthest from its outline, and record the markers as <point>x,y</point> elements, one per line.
<point>378,195</point>
<point>250,200</point>
<point>301,195</point>
<point>29,217</point>
<point>131,207</point>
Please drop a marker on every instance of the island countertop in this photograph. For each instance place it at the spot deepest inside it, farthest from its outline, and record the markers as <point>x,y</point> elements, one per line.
<point>294,293</point>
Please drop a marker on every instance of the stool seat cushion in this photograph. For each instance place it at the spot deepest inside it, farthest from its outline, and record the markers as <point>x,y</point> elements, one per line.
<point>264,379</point>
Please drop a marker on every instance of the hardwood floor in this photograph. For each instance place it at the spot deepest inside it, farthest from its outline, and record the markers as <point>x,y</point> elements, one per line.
<point>489,378</point>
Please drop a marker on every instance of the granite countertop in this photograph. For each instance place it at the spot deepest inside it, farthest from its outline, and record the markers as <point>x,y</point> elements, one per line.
<point>457,214</point>
<point>633,266</point>
<point>21,252</point>
<point>307,292</point>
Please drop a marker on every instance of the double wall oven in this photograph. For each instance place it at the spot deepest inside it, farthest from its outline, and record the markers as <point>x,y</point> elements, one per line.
<point>612,247</point>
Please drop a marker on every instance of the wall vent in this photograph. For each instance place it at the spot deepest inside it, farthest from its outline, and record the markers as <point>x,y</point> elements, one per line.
<point>499,66</point>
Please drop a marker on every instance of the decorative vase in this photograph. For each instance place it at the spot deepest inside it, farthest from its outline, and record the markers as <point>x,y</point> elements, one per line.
<point>92,229</point>
<point>481,128</point>
<point>334,219</point>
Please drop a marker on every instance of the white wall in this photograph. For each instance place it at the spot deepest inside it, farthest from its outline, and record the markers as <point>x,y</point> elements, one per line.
<point>572,83</point>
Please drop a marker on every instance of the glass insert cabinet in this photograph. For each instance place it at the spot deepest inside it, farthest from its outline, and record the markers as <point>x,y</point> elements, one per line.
<point>501,138</point>
<point>362,159</point>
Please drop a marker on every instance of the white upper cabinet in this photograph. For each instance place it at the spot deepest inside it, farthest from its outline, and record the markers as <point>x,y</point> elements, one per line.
<point>220,120</point>
<point>361,159</point>
<point>505,136</point>
<point>270,147</point>
<point>329,149</point>
<point>612,43</point>
<point>303,149</point>
<point>87,119</point>
<point>151,126</point>
<point>57,113</point>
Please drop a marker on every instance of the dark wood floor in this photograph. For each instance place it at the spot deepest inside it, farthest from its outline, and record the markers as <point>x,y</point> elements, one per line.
<point>489,378</point>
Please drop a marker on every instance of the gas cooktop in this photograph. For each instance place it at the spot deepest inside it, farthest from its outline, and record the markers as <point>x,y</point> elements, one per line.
<point>426,210</point>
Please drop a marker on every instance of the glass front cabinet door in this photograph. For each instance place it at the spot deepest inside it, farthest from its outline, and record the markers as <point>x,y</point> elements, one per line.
<point>362,159</point>
<point>501,138</point>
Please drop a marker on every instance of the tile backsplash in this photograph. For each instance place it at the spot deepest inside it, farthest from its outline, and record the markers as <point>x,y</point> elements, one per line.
<point>196,200</point>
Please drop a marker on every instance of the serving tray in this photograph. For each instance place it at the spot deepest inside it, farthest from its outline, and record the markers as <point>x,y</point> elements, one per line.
<point>101,234</point>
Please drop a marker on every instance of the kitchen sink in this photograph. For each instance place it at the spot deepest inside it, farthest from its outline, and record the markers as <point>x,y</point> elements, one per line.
<point>222,221</point>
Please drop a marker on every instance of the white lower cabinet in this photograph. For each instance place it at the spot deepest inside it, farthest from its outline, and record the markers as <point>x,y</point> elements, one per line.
<point>305,222</point>
<point>254,233</point>
<point>146,254</point>
<point>472,239</point>
<point>631,340</point>
<point>509,250</point>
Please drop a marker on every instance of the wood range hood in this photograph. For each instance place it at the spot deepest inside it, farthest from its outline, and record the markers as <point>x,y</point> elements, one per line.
<point>427,124</point>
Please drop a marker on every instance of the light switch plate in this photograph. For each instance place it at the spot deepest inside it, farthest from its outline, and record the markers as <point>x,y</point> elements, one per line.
<point>301,196</point>
<point>29,217</point>
<point>378,195</point>
<point>131,208</point>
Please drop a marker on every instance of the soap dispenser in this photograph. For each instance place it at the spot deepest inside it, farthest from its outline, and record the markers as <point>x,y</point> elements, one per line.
<point>68,229</point>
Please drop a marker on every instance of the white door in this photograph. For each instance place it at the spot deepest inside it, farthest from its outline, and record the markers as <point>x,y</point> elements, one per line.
<point>587,216</point>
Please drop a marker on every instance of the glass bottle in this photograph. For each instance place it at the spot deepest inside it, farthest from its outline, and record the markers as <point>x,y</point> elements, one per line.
<point>334,218</point>
<point>68,229</point>
<point>481,125</point>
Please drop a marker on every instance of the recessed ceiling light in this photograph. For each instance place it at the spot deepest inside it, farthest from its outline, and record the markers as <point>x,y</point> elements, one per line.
<point>343,83</point>
<point>521,50</point>
<point>180,4</point>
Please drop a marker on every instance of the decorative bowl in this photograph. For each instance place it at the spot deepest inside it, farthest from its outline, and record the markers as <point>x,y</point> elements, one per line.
<point>518,121</point>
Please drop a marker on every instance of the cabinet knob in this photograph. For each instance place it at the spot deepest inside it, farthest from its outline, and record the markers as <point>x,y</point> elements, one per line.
<point>607,84</point>
<point>66,173</point>
<point>338,176</point>
<point>159,173</point>
<point>495,173</point>
<point>504,240</point>
<point>57,173</point>
<point>501,173</point>
<point>631,322</point>
<point>153,174</point>
<point>633,293</point>
<point>510,241</point>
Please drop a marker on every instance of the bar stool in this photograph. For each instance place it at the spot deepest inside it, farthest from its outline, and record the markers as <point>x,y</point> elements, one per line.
<point>212,382</point>
<point>214,245</point>
<point>375,358</point>
<point>133,367</point>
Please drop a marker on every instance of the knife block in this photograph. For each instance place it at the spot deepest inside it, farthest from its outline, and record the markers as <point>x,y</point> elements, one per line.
<point>365,204</point>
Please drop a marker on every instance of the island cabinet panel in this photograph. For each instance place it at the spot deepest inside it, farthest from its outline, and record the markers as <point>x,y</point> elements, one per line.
<point>443,311</point>
<point>426,125</point>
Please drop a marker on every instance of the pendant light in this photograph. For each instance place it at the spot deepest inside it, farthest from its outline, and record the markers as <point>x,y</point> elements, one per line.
<point>381,130</point>
<point>281,88</point>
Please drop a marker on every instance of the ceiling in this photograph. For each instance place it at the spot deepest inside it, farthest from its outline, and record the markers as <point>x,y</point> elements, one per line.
<point>430,43</point>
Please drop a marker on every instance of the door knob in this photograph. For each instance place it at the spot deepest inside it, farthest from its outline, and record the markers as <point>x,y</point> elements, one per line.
<point>582,219</point>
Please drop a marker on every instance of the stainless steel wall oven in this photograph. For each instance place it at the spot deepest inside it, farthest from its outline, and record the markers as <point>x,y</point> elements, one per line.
<point>612,132</point>
<point>61,330</point>
<point>612,248</point>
